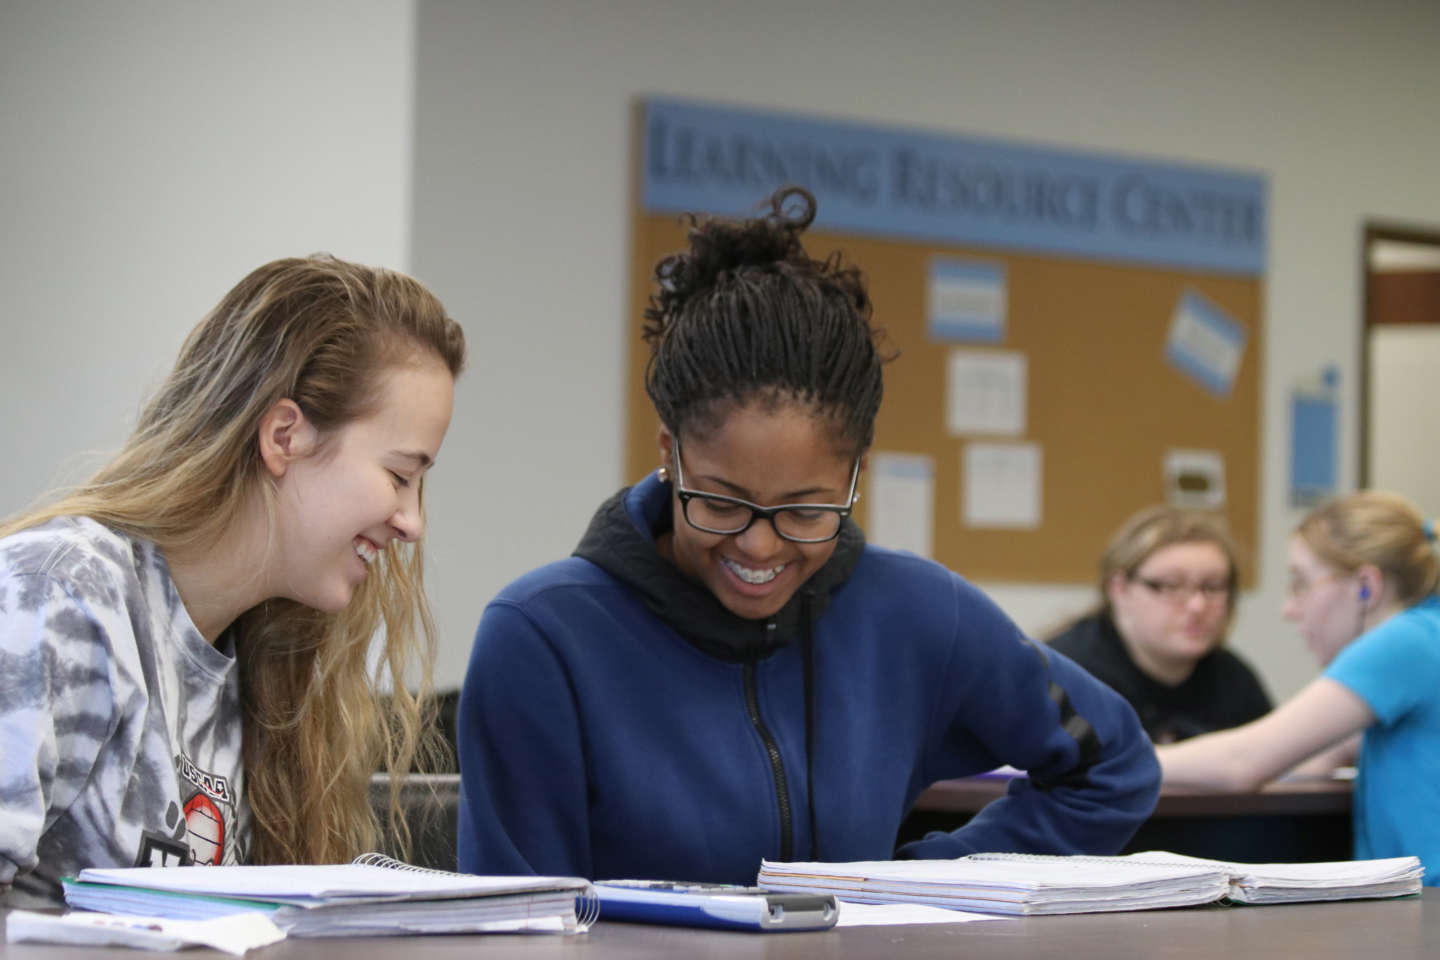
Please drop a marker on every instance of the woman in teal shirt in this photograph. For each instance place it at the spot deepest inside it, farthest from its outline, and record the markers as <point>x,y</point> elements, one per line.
<point>1363,574</point>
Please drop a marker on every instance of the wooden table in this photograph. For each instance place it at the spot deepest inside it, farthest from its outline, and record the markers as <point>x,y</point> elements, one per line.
<point>1392,929</point>
<point>1285,821</point>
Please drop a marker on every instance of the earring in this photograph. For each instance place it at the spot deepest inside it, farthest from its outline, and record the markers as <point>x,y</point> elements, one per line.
<point>663,474</point>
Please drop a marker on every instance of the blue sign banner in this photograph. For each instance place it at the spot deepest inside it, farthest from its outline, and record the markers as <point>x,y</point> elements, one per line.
<point>1314,429</point>
<point>913,185</point>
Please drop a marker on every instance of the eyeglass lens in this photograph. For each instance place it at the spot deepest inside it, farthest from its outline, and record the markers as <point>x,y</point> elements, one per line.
<point>1182,590</point>
<point>722,516</point>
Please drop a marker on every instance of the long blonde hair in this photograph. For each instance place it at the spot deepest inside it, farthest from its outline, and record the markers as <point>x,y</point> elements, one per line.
<point>317,723</point>
<point>1377,528</point>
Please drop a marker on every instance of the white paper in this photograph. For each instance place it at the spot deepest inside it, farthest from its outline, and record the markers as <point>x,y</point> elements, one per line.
<point>1001,485</point>
<point>985,392</point>
<point>1205,342</point>
<point>967,300</point>
<point>1195,479</point>
<point>234,934</point>
<point>898,914</point>
<point>305,883</point>
<point>1011,884</point>
<point>362,898</point>
<point>901,502</point>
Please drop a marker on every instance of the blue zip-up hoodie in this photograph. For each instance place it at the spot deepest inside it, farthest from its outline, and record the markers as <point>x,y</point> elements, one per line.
<point>618,721</point>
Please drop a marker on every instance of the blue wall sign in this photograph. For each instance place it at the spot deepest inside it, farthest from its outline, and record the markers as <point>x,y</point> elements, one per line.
<point>955,190</point>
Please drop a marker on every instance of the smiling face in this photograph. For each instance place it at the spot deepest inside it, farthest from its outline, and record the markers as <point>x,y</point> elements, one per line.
<point>1173,610</point>
<point>1323,601</point>
<point>341,505</point>
<point>768,456</point>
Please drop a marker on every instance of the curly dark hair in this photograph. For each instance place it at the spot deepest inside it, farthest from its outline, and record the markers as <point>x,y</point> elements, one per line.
<point>745,316</point>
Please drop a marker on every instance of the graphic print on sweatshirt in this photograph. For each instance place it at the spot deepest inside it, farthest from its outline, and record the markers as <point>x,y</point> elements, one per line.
<point>121,722</point>
<point>209,812</point>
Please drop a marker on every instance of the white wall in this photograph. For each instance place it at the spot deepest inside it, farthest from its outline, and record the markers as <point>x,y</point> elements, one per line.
<point>153,152</point>
<point>1404,417</point>
<point>523,168</point>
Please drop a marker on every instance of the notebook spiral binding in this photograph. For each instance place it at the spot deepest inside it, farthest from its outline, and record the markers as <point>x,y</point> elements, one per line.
<point>1196,863</point>
<point>1076,858</point>
<point>587,909</point>
<point>390,863</point>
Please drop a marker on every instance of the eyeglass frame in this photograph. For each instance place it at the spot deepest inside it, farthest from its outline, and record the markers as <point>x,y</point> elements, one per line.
<point>1167,591</point>
<point>1300,590</point>
<point>758,512</point>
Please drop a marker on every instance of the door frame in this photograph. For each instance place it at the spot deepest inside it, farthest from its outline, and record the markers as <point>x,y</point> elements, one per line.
<point>1372,232</point>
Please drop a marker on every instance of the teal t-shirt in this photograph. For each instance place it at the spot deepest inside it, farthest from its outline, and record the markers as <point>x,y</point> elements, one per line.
<point>1395,669</point>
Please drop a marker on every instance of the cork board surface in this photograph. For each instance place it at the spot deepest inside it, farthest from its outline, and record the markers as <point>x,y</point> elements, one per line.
<point>1104,404</point>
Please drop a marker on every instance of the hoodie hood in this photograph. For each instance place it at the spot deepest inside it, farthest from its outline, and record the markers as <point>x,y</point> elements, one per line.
<point>621,540</point>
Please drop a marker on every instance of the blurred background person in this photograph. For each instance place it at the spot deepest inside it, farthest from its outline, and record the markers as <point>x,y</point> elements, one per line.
<point>1363,574</point>
<point>1167,592</point>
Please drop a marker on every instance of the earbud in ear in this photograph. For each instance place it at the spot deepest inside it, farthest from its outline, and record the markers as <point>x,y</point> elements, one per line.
<point>1364,591</point>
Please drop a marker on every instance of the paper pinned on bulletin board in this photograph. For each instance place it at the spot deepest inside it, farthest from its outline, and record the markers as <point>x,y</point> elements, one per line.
<point>985,392</point>
<point>1001,486</point>
<point>1206,343</point>
<point>1195,479</point>
<point>967,300</point>
<point>1314,443</point>
<point>901,502</point>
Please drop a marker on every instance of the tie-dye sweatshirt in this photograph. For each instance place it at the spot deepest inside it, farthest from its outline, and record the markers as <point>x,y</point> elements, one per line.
<point>119,723</point>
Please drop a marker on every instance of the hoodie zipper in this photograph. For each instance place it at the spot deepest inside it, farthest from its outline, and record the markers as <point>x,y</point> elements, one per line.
<point>782,792</point>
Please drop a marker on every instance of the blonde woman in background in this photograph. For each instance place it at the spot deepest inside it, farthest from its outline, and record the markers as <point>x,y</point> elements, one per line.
<point>1363,574</point>
<point>1167,594</point>
<point>184,637</point>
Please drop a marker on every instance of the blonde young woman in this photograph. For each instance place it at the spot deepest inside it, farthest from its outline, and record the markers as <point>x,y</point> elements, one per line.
<point>1363,574</point>
<point>1167,593</point>
<point>184,637</point>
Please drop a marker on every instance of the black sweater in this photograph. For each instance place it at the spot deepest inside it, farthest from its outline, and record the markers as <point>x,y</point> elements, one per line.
<point>1222,691</point>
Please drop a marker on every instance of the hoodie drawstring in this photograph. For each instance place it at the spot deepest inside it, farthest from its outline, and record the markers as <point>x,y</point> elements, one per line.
<point>807,653</point>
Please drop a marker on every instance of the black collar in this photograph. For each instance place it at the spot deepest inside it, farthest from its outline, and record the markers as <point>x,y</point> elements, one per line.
<point>621,540</point>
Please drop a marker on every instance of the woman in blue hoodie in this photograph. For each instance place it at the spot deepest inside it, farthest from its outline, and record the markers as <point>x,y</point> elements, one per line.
<point>725,671</point>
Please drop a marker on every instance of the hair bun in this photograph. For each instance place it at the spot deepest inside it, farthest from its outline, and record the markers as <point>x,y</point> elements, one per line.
<point>721,248</point>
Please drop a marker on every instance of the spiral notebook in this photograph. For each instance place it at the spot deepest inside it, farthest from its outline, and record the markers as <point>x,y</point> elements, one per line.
<point>373,896</point>
<point>1010,887</point>
<point>1029,884</point>
<point>1284,882</point>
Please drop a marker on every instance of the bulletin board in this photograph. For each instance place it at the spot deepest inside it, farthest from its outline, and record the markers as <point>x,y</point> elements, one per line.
<point>1113,400</point>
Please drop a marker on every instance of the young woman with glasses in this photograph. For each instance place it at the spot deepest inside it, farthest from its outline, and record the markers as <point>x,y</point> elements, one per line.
<point>1363,574</point>
<point>725,671</point>
<point>1167,593</point>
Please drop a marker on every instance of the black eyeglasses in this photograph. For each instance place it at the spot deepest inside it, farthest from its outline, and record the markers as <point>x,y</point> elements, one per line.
<point>1180,591</point>
<point>797,522</point>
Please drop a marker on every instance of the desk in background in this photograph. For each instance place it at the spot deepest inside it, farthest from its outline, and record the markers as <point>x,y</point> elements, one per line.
<point>1374,928</point>
<point>1289,821</point>
<point>1283,822</point>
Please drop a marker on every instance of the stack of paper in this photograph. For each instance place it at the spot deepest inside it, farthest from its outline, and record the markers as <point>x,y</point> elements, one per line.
<point>1012,887</point>
<point>341,899</point>
<point>1023,884</point>
<point>1294,882</point>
